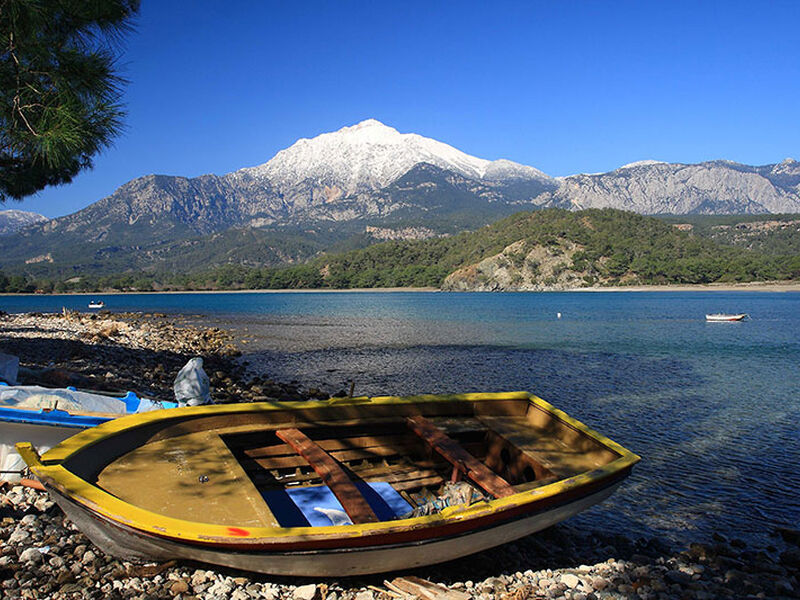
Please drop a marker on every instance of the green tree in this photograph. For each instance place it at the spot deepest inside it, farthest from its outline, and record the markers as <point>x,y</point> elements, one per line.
<point>59,88</point>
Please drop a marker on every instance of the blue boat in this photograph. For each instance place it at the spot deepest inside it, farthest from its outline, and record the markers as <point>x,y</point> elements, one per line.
<point>53,415</point>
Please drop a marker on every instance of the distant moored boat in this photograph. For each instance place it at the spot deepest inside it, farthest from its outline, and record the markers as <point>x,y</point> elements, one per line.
<point>96,304</point>
<point>726,317</point>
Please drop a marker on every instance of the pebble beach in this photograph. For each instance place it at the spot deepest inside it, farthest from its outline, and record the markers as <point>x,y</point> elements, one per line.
<point>42,554</point>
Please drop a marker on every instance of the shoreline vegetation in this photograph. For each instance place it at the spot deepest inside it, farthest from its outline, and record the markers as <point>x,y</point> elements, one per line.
<point>43,555</point>
<point>753,286</point>
<point>545,250</point>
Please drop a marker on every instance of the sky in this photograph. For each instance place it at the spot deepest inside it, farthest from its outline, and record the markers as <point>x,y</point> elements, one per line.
<point>566,87</point>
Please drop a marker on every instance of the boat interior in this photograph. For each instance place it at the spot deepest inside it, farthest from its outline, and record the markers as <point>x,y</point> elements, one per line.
<point>353,463</point>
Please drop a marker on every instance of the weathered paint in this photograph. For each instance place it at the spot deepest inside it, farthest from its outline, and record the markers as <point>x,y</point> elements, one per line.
<point>48,468</point>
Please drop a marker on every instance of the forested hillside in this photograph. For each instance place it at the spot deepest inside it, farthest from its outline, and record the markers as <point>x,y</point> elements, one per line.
<point>547,249</point>
<point>770,234</point>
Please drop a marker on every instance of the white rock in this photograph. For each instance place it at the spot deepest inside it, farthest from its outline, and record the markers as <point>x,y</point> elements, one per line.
<point>365,595</point>
<point>198,577</point>
<point>570,580</point>
<point>599,584</point>
<point>219,589</point>
<point>18,535</point>
<point>305,592</point>
<point>269,590</point>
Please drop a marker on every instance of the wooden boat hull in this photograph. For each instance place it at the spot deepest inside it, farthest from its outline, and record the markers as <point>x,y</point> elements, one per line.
<point>130,544</point>
<point>196,483</point>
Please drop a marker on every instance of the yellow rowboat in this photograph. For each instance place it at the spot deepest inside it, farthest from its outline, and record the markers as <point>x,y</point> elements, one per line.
<point>331,488</point>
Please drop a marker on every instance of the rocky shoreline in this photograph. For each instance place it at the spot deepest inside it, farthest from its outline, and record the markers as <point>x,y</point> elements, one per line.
<point>43,555</point>
<point>141,352</point>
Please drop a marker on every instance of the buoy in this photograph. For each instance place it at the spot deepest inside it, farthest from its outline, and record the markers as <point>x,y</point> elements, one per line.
<point>558,315</point>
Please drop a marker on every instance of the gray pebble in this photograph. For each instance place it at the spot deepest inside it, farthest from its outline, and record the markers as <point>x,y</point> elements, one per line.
<point>19,535</point>
<point>31,556</point>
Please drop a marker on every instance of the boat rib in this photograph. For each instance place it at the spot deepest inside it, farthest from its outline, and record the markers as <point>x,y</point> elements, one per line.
<point>461,460</point>
<point>331,474</point>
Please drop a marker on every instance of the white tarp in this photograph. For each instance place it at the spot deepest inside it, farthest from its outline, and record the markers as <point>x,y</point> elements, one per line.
<point>34,396</point>
<point>192,387</point>
<point>45,437</point>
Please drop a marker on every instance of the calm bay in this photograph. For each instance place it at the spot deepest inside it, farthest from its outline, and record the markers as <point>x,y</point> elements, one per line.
<point>712,408</point>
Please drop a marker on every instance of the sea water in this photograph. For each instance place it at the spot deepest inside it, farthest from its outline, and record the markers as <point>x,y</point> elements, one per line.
<point>712,408</point>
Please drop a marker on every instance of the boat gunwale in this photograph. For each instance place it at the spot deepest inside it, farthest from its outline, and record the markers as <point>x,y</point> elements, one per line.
<point>49,468</point>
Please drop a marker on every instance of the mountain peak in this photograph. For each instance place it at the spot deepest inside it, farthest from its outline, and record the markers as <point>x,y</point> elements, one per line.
<point>366,123</point>
<point>12,220</point>
<point>358,158</point>
<point>368,131</point>
<point>641,163</point>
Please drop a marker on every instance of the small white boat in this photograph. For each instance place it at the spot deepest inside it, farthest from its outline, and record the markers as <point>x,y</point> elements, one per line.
<point>52,415</point>
<point>96,304</point>
<point>718,317</point>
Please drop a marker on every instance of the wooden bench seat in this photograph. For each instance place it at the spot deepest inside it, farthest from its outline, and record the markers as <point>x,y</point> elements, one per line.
<point>545,447</point>
<point>462,460</point>
<point>332,475</point>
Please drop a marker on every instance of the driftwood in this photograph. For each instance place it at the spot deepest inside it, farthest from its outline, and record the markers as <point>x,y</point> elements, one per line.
<point>424,589</point>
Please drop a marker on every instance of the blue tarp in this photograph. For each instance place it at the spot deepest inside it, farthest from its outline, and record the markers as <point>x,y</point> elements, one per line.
<point>49,417</point>
<point>297,506</point>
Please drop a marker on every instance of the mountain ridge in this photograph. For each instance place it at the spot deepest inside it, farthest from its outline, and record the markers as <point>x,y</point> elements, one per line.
<point>13,220</point>
<point>371,175</point>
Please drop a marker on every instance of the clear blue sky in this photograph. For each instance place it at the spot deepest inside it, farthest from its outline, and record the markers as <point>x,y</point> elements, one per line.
<point>564,86</point>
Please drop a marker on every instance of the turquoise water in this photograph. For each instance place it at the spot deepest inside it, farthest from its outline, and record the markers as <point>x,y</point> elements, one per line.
<point>713,408</point>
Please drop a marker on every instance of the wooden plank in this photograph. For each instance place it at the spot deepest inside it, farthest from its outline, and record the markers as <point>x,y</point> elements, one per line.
<point>282,462</point>
<point>546,447</point>
<point>388,442</point>
<point>457,425</point>
<point>254,466</point>
<point>504,457</point>
<point>427,590</point>
<point>454,453</point>
<point>332,475</point>
<point>394,474</point>
<point>415,484</point>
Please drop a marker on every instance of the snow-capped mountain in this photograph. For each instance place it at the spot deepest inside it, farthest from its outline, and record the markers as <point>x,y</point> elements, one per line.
<point>368,157</point>
<point>13,220</point>
<point>326,189</point>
